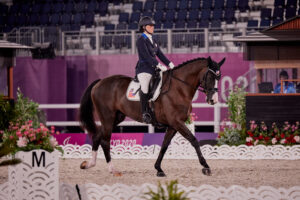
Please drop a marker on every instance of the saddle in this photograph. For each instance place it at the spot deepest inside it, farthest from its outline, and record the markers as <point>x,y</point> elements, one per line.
<point>134,87</point>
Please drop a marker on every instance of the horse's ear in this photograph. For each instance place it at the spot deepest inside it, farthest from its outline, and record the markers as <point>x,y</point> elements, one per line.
<point>209,60</point>
<point>221,62</point>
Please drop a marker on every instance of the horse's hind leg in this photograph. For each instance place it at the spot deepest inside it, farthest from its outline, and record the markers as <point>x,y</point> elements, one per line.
<point>186,133</point>
<point>167,139</point>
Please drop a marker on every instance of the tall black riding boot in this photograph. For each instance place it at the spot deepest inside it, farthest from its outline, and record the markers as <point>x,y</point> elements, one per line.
<point>145,107</point>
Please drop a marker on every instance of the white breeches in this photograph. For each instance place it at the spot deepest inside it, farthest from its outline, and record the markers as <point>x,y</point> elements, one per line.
<point>144,78</point>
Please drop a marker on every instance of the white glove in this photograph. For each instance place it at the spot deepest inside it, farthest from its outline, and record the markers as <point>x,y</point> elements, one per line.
<point>171,65</point>
<point>162,67</point>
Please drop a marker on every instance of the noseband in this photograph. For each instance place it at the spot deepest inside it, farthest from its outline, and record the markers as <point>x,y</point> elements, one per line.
<point>204,89</point>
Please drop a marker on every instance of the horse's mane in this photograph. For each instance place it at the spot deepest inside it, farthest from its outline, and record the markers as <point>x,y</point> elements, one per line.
<point>187,62</point>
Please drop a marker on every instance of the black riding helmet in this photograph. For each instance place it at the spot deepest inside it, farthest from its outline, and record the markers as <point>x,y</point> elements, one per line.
<point>144,22</point>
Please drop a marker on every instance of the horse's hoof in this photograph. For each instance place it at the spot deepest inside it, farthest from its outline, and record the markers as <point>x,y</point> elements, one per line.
<point>83,165</point>
<point>161,174</point>
<point>117,174</point>
<point>206,171</point>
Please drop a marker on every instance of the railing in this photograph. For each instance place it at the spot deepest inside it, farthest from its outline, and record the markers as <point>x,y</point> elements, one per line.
<point>216,122</point>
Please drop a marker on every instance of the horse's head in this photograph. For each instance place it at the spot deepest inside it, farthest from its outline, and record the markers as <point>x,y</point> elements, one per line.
<point>209,81</point>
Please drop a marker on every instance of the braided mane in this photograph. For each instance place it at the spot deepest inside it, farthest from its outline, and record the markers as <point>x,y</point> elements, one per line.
<point>187,62</point>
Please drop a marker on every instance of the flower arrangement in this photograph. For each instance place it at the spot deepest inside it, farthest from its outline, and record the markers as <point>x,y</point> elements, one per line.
<point>26,137</point>
<point>191,118</point>
<point>288,134</point>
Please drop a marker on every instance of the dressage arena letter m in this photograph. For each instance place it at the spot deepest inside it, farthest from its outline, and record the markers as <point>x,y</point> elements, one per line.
<point>38,161</point>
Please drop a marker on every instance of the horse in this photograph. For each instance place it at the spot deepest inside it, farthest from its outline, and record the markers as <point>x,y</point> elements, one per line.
<point>107,97</point>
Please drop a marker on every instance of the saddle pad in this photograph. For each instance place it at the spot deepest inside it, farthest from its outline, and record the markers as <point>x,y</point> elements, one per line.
<point>132,92</point>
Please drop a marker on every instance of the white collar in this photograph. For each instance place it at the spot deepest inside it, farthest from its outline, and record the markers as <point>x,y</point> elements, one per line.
<point>149,36</point>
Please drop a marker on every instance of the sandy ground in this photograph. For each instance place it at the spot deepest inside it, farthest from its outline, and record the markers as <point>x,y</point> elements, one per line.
<point>250,173</point>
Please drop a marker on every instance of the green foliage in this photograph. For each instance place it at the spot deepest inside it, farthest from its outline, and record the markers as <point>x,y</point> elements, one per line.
<point>235,133</point>
<point>7,113</point>
<point>171,192</point>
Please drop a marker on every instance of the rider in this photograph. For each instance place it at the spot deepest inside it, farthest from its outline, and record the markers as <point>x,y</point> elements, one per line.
<point>147,50</point>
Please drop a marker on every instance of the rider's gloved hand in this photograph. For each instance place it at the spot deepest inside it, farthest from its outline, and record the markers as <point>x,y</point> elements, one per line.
<point>161,67</point>
<point>171,65</point>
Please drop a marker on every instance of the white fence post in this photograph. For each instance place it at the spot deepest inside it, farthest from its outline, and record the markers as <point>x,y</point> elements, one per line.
<point>97,42</point>
<point>217,117</point>
<point>206,43</point>
<point>132,42</point>
<point>169,41</point>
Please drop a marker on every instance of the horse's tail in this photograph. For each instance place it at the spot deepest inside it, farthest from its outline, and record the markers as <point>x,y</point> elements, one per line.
<point>86,115</point>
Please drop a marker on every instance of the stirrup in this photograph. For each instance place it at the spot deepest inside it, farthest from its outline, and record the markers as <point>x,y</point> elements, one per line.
<point>147,118</point>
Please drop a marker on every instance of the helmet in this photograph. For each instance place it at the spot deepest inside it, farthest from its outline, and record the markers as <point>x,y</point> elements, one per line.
<point>284,73</point>
<point>144,22</point>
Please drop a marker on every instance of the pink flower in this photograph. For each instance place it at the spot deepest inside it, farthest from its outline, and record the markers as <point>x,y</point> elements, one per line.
<point>53,142</point>
<point>282,141</point>
<point>22,142</point>
<point>11,137</point>
<point>297,138</point>
<point>274,141</point>
<point>255,143</point>
<point>249,139</point>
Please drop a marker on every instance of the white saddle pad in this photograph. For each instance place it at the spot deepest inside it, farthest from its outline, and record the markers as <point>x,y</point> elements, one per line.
<point>132,92</point>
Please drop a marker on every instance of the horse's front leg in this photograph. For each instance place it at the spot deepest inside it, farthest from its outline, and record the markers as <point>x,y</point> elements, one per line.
<point>167,139</point>
<point>186,133</point>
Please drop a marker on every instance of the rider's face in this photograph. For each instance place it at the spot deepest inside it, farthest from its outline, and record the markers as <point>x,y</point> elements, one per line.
<point>150,29</point>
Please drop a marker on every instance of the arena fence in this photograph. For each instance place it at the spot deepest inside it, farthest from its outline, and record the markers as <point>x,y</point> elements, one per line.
<point>216,121</point>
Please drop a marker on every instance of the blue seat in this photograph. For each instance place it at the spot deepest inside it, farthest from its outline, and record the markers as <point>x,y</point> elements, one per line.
<point>135,17</point>
<point>2,20</point>
<point>149,5</point>
<point>229,16</point>
<point>203,23</point>
<point>172,5</point>
<point>157,25</point>
<point>57,8</point>
<point>133,26</point>
<point>252,24</point>
<point>205,14</point>
<point>290,12</point>
<point>266,13</point>
<point>276,21</point>
<point>193,15</point>
<point>89,19</point>
<point>80,7</point>
<point>219,4</point>
<point>44,19</point>
<point>66,19</point>
<point>168,25</point>
<point>278,13</point>
<point>195,5</point>
<point>78,19</point>
<point>55,19</point>
<point>121,26</point>
<point>69,7</point>
<point>170,15</point>
<point>243,5</point>
<point>75,27</point>
<point>160,5</point>
<point>291,3</point>
<point>182,15</point>
<point>33,19</point>
<point>149,14</point>
<point>109,27</point>
<point>207,4</point>
<point>192,24</point>
<point>180,25</point>
<point>3,9</point>
<point>215,24</point>
<point>103,8</point>
<point>231,4</point>
<point>137,6</point>
<point>22,20</point>
<point>14,9</point>
<point>25,8</point>
<point>93,6</point>
<point>183,5</point>
<point>279,3</point>
<point>7,29</point>
<point>36,8</point>
<point>217,14</point>
<point>11,20</point>
<point>46,9</point>
<point>158,16</point>
<point>265,23</point>
<point>124,17</point>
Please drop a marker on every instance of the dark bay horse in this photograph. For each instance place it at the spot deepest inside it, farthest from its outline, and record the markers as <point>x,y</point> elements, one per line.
<point>108,98</point>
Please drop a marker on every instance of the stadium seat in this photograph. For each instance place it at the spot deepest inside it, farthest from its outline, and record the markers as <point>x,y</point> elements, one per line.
<point>69,7</point>
<point>33,19</point>
<point>135,17</point>
<point>89,19</point>
<point>21,20</point>
<point>231,4</point>
<point>219,4</point>
<point>276,21</point>
<point>291,3</point>
<point>168,25</point>
<point>170,15</point>
<point>243,5</point>
<point>193,15</point>
<point>183,4</point>
<point>93,6</point>
<point>149,5</point>
<point>75,27</point>
<point>279,3</point>
<point>109,27</point>
<point>180,24</point>
<point>205,14</point>
<point>158,16</point>
<point>172,5</point>
<point>14,9</point>
<point>11,20</point>
<point>25,9</point>
<point>229,16</point>
<point>207,4</point>
<point>192,24</point>
<point>252,24</point>
<point>265,23</point>
<point>3,9</point>
<point>46,8</point>
<point>149,14</point>
<point>66,19</point>
<point>266,13</point>
<point>78,19</point>
<point>121,26</point>
<point>103,7</point>
<point>137,6</point>
<point>123,17</point>
<point>55,19</point>
<point>290,12</point>
<point>160,5</point>
<point>217,15</point>
<point>157,25</point>
<point>80,7</point>
<point>36,8</point>
<point>195,5</point>
<point>278,13</point>
<point>215,24</point>
<point>181,15</point>
<point>203,23</point>
<point>57,8</point>
<point>133,26</point>
<point>44,19</point>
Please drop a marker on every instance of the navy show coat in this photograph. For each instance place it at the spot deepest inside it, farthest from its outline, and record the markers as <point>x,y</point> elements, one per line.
<point>147,51</point>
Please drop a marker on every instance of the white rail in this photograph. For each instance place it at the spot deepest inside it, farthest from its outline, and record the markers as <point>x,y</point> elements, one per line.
<point>216,122</point>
